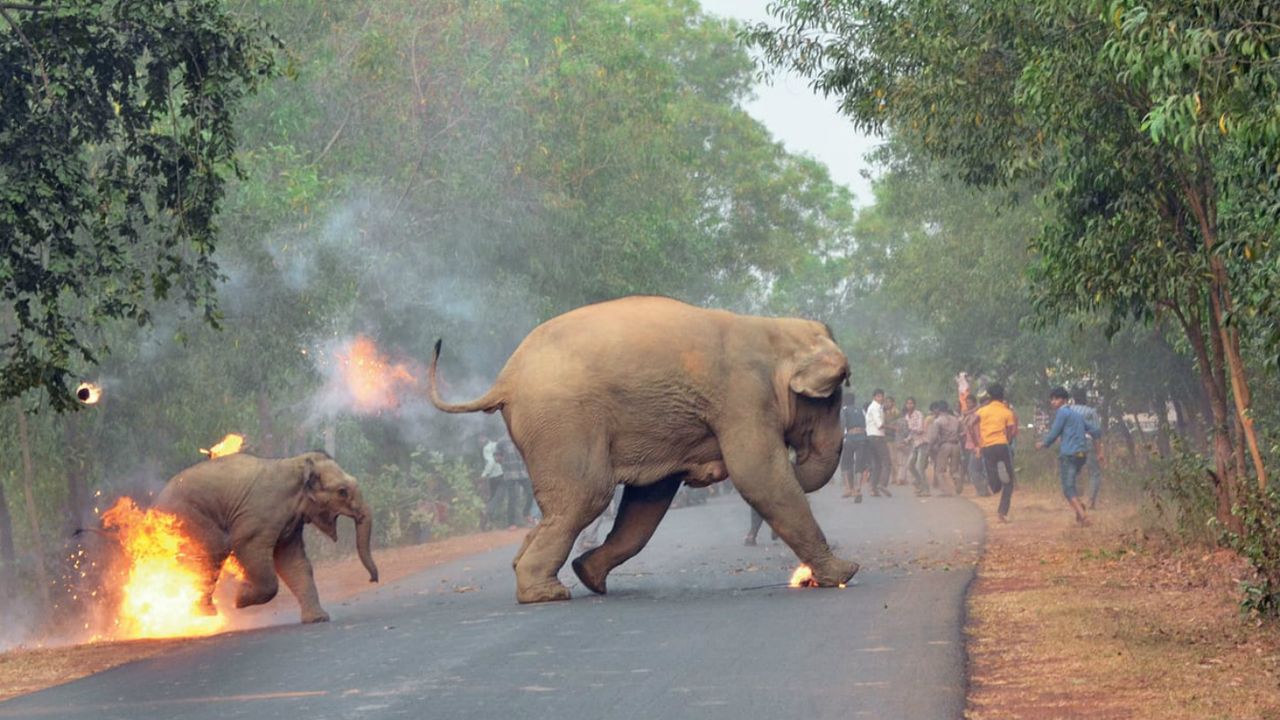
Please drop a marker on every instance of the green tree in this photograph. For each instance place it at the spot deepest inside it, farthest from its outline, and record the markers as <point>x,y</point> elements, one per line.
<point>1096,104</point>
<point>116,137</point>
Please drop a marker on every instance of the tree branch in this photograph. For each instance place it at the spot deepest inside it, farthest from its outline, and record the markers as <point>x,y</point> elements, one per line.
<point>4,12</point>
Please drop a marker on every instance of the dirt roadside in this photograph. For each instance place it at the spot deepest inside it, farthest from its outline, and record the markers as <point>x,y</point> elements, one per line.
<point>26,670</point>
<point>1101,622</point>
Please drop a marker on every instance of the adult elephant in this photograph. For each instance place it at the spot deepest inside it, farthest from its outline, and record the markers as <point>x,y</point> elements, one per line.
<point>650,392</point>
<point>256,508</point>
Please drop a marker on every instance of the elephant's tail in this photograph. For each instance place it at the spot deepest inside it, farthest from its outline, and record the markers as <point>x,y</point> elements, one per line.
<point>489,402</point>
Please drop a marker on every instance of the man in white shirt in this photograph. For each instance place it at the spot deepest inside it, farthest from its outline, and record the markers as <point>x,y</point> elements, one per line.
<point>879,447</point>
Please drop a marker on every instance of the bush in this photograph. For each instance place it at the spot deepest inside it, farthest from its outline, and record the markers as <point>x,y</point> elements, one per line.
<point>1181,494</point>
<point>1259,543</point>
<point>428,499</point>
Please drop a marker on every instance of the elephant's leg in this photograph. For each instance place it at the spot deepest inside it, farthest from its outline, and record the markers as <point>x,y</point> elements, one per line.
<point>259,585</point>
<point>211,569</point>
<point>641,510</point>
<point>571,490</point>
<point>292,565</point>
<point>765,478</point>
<point>528,538</point>
<point>210,551</point>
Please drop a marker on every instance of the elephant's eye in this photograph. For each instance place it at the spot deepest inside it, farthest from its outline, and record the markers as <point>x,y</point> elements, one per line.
<point>342,493</point>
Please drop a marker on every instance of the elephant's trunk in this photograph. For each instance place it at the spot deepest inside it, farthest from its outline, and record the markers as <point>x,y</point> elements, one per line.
<point>364,532</point>
<point>818,454</point>
<point>817,469</point>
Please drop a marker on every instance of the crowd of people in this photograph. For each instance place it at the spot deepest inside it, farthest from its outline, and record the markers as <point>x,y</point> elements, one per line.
<point>942,452</point>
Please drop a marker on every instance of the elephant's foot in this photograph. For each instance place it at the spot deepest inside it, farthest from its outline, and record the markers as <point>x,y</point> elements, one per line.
<point>315,616</point>
<point>544,592</point>
<point>834,572</point>
<point>591,575</point>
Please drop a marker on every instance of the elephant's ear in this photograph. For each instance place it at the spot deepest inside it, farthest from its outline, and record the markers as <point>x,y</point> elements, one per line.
<point>819,370</point>
<point>316,511</point>
<point>310,480</point>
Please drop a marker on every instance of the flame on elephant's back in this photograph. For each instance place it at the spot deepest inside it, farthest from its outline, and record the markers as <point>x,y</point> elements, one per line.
<point>162,590</point>
<point>229,445</point>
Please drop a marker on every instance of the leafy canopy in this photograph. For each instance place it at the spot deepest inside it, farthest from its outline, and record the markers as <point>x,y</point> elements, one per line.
<point>116,139</point>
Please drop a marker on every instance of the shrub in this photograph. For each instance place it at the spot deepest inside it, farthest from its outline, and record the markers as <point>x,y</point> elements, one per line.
<point>1181,495</point>
<point>431,498</point>
<point>1259,543</point>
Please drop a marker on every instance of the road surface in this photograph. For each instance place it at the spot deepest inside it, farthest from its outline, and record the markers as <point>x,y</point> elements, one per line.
<point>696,626</point>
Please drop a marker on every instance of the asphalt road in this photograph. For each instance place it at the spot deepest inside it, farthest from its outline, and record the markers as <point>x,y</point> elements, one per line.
<point>696,626</point>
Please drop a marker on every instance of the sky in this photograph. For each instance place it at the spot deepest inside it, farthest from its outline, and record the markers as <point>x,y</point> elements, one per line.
<point>804,121</point>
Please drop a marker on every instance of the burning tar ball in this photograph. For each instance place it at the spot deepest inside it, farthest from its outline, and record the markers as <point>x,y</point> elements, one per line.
<point>88,393</point>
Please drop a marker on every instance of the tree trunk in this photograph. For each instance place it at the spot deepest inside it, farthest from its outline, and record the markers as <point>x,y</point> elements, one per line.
<point>266,432</point>
<point>1203,206</point>
<point>77,488</point>
<point>1213,383</point>
<point>1161,409</point>
<point>28,481</point>
<point>8,558</point>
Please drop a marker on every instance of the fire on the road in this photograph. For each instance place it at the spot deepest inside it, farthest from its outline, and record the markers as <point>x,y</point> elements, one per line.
<point>803,577</point>
<point>162,588</point>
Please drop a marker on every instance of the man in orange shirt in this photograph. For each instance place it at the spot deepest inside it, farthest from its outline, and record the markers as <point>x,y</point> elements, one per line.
<point>997,427</point>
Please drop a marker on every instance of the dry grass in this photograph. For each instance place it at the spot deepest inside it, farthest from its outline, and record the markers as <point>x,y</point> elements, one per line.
<point>1098,622</point>
<point>26,670</point>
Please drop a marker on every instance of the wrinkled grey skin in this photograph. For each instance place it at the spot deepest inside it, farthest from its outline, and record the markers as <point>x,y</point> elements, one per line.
<point>256,508</point>
<point>650,392</point>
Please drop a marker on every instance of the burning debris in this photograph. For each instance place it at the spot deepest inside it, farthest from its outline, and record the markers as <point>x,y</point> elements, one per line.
<point>803,577</point>
<point>370,382</point>
<point>88,393</point>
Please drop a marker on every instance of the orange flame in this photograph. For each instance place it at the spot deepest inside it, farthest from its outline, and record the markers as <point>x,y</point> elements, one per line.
<point>803,577</point>
<point>370,378</point>
<point>163,588</point>
<point>229,445</point>
<point>88,393</point>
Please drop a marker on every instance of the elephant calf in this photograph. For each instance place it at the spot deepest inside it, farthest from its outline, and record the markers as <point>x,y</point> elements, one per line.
<point>256,508</point>
<point>649,392</point>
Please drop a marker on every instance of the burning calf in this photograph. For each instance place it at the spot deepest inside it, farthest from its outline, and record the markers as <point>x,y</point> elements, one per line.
<point>241,514</point>
<point>160,590</point>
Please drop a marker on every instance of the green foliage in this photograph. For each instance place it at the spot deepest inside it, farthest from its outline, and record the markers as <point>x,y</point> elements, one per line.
<point>404,500</point>
<point>1180,496</point>
<point>116,138</point>
<point>1259,542</point>
<point>1146,130</point>
<point>420,170</point>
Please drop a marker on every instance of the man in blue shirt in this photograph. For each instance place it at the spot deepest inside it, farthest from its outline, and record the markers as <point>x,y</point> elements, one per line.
<point>1074,430</point>
<point>1093,461</point>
